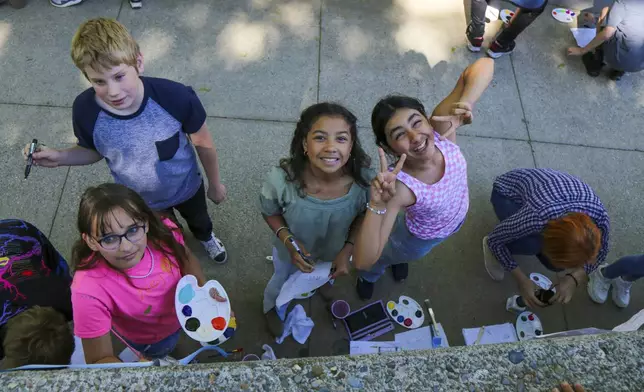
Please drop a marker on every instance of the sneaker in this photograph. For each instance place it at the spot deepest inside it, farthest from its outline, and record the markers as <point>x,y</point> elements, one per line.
<point>621,292</point>
<point>365,289</point>
<point>515,304</point>
<point>598,286</point>
<point>215,249</point>
<point>64,3</point>
<point>473,43</point>
<point>400,271</point>
<point>495,50</point>
<point>593,63</point>
<point>136,4</point>
<point>492,265</point>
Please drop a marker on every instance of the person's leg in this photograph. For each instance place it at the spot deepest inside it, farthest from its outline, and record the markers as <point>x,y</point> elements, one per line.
<point>282,270</point>
<point>477,14</point>
<point>504,207</point>
<point>195,212</point>
<point>629,268</point>
<point>504,42</point>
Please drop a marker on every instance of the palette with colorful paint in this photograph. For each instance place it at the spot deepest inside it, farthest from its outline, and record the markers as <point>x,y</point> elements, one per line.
<point>506,15</point>
<point>541,280</point>
<point>201,316</point>
<point>407,312</point>
<point>528,326</point>
<point>563,15</point>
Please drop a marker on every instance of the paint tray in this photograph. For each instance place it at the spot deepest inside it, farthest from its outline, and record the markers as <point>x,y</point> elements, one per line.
<point>202,317</point>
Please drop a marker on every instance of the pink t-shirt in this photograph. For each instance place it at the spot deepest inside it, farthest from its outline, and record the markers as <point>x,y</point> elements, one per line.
<point>441,207</point>
<point>141,310</point>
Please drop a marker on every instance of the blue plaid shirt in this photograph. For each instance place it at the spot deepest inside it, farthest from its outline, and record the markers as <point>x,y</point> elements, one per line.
<point>544,195</point>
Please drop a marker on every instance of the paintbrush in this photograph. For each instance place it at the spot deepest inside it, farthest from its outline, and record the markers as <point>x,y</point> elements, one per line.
<point>437,341</point>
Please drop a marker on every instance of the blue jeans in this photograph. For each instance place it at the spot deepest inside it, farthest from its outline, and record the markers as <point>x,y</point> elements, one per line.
<point>629,268</point>
<point>530,245</point>
<point>160,349</point>
<point>402,247</point>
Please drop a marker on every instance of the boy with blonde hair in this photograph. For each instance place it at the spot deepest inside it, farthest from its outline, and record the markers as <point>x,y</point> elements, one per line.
<point>145,128</point>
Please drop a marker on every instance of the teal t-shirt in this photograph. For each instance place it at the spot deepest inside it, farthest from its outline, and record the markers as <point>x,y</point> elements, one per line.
<point>322,226</point>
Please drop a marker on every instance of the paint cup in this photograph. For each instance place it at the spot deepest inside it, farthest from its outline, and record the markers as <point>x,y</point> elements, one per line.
<point>340,309</point>
<point>250,357</point>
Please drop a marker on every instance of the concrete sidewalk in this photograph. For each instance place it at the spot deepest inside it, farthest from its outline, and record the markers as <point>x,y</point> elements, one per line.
<point>257,63</point>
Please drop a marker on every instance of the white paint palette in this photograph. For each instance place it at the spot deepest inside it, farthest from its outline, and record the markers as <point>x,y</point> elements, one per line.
<point>541,280</point>
<point>407,312</point>
<point>202,317</point>
<point>506,15</point>
<point>563,15</point>
<point>528,326</point>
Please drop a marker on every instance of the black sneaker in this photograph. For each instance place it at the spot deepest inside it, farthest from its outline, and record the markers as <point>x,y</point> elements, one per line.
<point>593,63</point>
<point>615,74</point>
<point>495,50</point>
<point>136,4</point>
<point>400,271</point>
<point>473,43</point>
<point>365,289</point>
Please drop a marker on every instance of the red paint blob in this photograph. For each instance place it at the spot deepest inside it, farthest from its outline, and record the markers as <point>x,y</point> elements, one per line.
<point>28,273</point>
<point>407,322</point>
<point>218,323</point>
<point>511,13</point>
<point>531,317</point>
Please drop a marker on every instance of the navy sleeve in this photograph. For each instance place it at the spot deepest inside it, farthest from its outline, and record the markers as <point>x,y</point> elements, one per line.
<point>616,14</point>
<point>84,114</point>
<point>179,100</point>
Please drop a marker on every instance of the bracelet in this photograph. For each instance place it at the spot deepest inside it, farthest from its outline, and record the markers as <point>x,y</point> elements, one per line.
<point>377,212</point>
<point>573,278</point>
<point>349,242</point>
<point>277,233</point>
<point>288,237</point>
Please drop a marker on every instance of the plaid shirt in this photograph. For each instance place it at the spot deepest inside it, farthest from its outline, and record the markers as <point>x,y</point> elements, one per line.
<point>544,195</point>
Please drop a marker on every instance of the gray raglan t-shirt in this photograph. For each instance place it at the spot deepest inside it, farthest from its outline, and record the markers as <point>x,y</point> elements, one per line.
<point>625,51</point>
<point>147,151</point>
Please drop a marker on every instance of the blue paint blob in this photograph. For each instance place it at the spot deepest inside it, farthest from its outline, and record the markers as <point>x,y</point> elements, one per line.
<point>400,319</point>
<point>186,294</point>
<point>229,332</point>
<point>187,311</point>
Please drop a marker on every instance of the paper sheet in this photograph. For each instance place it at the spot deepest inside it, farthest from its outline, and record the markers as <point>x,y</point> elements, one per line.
<point>492,334</point>
<point>420,338</point>
<point>300,283</point>
<point>583,35</point>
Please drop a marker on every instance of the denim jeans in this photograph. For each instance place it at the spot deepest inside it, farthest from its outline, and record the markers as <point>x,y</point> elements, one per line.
<point>402,247</point>
<point>529,10</point>
<point>283,269</point>
<point>160,349</point>
<point>629,268</point>
<point>529,245</point>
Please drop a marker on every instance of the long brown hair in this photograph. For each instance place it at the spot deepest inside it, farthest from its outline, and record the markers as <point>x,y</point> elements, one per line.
<point>94,213</point>
<point>571,241</point>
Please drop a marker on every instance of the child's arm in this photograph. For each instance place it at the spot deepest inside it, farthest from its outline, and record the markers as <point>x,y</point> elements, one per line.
<point>277,222</point>
<point>192,267</point>
<point>456,109</point>
<point>73,156</point>
<point>99,350</point>
<point>208,155</point>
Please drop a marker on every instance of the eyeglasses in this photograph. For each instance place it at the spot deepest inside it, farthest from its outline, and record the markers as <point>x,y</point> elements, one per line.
<point>133,234</point>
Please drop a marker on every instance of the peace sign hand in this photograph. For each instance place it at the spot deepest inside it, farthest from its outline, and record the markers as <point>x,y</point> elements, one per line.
<point>460,114</point>
<point>383,186</point>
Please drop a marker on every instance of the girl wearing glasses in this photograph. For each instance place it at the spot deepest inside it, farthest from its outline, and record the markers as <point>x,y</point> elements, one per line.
<point>127,264</point>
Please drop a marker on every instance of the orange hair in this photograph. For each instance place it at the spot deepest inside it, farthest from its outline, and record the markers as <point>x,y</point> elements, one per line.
<point>571,241</point>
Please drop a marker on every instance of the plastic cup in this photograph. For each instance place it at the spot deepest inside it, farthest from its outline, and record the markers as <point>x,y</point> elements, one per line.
<point>340,309</point>
<point>250,357</point>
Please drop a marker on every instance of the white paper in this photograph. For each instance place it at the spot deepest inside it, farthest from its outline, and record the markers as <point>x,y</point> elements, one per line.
<point>127,355</point>
<point>300,283</point>
<point>420,338</point>
<point>633,324</point>
<point>574,332</point>
<point>583,35</point>
<point>492,334</point>
<point>360,347</point>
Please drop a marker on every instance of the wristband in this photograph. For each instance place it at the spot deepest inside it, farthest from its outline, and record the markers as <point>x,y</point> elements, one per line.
<point>288,237</point>
<point>377,212</point>
<point>277,233</point>
<point>573,278</point>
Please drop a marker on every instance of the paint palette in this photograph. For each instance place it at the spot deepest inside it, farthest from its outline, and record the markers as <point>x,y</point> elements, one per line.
<point>407,312</point>
<point>541,280</point>
<point>202,317</point>
<point>563,15</point>
<point>506,15</point>
<point>528,326</point>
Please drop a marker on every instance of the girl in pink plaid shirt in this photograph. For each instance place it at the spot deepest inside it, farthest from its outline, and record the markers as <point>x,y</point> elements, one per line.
<point>428,182</point>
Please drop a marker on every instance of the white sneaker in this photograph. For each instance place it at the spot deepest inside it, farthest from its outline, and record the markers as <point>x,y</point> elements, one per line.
<point>136,4</point>
<point>621,292</point>
<point>492,265</point>
<point>511,305</point>
<point>215,249</point>
<point>64,3</point>
<point>598,286</point>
